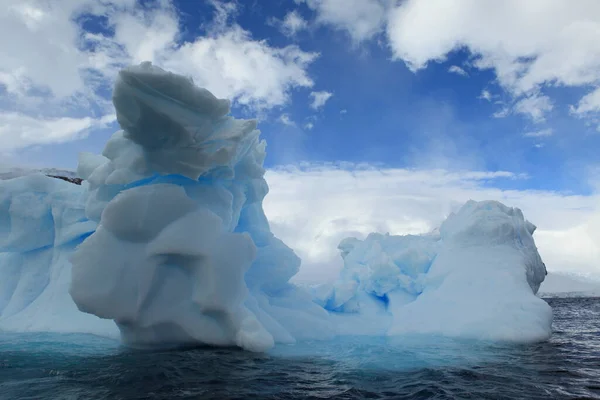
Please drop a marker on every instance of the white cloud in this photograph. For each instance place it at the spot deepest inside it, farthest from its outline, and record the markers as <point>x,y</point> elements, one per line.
<point>485,95</point>
<point>503,113</point>
<point>589,107</point>
<point>286,120</point>
<point>361,19</point>
<point>589,103</point>
<point>53,68</point>
<point>540,133</point>
<point>309,126</point>
<point>38,44</point>
<point>292,23</point>
<point>344,111</point>
<point>528,44</point>
<point>534,107</point>
<point>319,99</point>
<point>231,65</point>
<point>313,207</point>
<point>19,130</point>
<point>455,69</point>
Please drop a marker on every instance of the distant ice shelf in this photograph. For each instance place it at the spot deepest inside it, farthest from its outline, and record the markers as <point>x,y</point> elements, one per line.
<point>165,243</point>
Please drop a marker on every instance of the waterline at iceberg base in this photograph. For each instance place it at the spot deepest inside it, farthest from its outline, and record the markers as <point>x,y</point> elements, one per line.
<point>166,244</point>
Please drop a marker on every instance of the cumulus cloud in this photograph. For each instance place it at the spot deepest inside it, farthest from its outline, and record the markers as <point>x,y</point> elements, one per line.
<point>249,72</point>
<point>51,58</point>
<point>53,66</point>
<point>292,23</point>
<point>534,107</point>
<point>529,45</point>
<point>286,120</point>
<point>589,107</point>
<point>589,103</point>
<point>455,69</point>
<point>319,99</point>
<point>361,19</point>
<point>313,207</point>
<point>18,130</point>
<point>502,113</point>
<point>485,95</point>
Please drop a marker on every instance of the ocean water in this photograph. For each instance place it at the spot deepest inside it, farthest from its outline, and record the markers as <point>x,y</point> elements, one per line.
<point>52,366</point>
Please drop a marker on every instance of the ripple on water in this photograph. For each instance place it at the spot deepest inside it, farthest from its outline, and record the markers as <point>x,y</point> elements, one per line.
<point>39,366</point>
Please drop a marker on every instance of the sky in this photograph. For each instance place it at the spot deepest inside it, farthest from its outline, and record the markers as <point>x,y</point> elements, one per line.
<point>379,115</point>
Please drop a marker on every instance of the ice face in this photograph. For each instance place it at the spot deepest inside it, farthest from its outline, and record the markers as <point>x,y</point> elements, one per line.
<point>166,243</point>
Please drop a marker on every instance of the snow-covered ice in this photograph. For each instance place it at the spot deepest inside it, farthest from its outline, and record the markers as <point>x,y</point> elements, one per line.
<point>42,220</point>
<point>476,278</point>
<point>166,243</point>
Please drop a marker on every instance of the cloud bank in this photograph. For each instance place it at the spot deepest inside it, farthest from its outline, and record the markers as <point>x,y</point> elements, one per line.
<point>313,207</point>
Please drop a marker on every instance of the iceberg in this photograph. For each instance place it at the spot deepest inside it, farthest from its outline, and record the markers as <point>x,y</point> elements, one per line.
<point>476,277</point>
<point>183,252</point>
<point>165,243</point>
<point>42,220</point>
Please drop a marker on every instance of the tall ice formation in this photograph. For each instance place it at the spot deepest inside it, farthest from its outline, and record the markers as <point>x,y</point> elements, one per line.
<point>183,252</point>
<point>167,242</point>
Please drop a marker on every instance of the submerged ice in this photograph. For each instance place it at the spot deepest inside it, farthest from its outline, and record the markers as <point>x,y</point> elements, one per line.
<point>167,238</point>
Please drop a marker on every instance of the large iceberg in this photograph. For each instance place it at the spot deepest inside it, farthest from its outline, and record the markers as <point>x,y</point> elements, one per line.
<point>166,243</point>
<point>183,252</point>
<point>173,246</point>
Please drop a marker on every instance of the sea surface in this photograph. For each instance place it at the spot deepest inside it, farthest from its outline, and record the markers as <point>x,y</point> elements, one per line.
<point>54,366</point>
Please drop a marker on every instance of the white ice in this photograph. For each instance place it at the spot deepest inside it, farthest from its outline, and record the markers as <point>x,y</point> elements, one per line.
<point>42,220</point>
<point>166,244</point>
<point>477,278</point>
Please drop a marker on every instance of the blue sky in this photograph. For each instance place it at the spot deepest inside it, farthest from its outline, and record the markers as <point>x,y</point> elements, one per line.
<point>380,111</point>
<point>460,86</point>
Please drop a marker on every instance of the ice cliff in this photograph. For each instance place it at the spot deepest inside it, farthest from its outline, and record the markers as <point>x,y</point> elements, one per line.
<point>167,238</point>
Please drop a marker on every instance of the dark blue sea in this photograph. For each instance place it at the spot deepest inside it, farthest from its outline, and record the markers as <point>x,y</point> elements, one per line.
<point>53,366</point>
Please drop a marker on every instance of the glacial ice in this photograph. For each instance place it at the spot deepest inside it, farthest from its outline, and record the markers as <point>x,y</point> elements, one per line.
<point>42,220</point>
<point>475,278</point>
<point>166,243</point>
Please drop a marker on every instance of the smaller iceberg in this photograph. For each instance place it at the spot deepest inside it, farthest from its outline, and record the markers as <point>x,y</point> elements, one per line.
<point>475,278</point>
